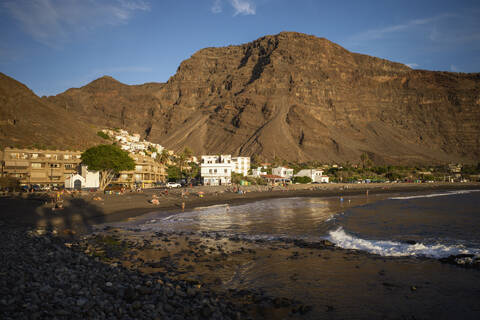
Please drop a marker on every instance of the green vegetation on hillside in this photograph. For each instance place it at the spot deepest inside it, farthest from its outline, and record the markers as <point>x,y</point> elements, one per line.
<point>103,135</point>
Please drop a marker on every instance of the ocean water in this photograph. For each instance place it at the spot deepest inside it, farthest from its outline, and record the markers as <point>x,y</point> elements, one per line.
<point>403,235</point>
<point>431,225</point>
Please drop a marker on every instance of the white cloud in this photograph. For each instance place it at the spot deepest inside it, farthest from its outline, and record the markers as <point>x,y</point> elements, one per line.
<point>51,22</point>
<point>244,7</point>
<point>217,6</point>
<point>408,25</point>
<point>412,65</point>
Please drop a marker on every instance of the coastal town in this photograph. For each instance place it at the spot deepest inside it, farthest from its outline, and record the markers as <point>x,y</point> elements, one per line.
<point>36,169</point>
<point>239,159</point>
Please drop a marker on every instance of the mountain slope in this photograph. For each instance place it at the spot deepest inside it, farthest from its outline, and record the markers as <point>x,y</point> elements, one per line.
<point>295,97</point>
<point>26,121</point>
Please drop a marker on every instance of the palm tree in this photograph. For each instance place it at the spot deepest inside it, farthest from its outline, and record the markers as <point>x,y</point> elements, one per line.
<point>164,157</point>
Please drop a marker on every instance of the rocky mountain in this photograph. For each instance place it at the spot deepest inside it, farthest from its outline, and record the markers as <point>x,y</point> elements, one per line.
<point>28,121</point>
<point>294,97</point>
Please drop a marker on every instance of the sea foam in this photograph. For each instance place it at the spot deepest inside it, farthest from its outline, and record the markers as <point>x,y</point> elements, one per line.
<point>397,249</point>
<point>450,193</point>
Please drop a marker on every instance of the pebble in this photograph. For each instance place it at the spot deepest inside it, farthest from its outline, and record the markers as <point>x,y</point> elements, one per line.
<point>47,279</point>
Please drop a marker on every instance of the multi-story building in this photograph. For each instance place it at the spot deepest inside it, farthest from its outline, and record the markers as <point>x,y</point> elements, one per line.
<point>146,174</point>
<point>216,170</point>
<point>53,167</point>
<point>241,165</point>
<point>42,167</point>
<point>283,172</point>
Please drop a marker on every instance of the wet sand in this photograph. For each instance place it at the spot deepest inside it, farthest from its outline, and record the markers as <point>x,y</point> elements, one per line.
<point>83,210</point>
<point>293,279</point>
<point>277,279</point>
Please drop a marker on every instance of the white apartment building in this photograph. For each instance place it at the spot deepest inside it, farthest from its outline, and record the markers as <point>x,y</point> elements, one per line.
<point>283,172</point>
<point>241,165</point>
<point>216,170</point>
<point>315,174</point>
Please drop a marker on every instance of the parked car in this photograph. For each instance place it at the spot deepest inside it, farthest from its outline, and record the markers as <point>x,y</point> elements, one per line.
<point>173,185</point>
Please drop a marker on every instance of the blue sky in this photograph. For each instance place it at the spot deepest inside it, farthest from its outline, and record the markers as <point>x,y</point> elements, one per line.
<point>53,45</point>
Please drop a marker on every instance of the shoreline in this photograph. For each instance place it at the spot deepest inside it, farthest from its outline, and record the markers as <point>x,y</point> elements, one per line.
<point>141,273</point>
<point>81,212</point>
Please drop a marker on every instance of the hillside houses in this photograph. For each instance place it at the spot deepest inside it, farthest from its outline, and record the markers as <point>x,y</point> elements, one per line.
<point>132,143</point>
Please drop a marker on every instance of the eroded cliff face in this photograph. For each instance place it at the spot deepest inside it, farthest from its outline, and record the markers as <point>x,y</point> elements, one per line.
<point>295,97</point>
<point>299,97</point>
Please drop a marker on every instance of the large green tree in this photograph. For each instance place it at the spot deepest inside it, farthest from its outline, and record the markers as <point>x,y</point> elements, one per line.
<point>109,160</point>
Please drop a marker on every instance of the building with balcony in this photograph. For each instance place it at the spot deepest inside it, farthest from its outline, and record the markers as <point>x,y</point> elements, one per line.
<point>41,167</point>
<point>241,165</point>
<point>146,174</point>
<point>216,170</point>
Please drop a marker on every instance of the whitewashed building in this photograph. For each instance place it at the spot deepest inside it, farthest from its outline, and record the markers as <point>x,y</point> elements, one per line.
<point>216,170</point>
<point>315,174</point>
<point>283,172</point>
<point>241,165</point>
<point>84,179</point>
<point>74,181</point>
<point>259,171</point>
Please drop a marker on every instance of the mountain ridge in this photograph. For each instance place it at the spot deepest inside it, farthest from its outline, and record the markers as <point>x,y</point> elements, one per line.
<point>295,97</point>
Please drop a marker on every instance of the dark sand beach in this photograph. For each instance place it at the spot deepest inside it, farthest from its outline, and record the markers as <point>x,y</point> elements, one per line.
<point>81,210</point>
<point>257,278</point>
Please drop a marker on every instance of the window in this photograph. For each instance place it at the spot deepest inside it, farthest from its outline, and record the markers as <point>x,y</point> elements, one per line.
<point>36,165</point>
<point>215,171</point>
<point>67,157</point>
<point>14,155</point>
<point>54,165</point>
<point>226,170</point>
<point>69,166</point>
<point>210,171</point>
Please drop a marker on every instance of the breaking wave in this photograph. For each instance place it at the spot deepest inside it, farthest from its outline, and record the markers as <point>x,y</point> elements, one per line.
<point>450,193</point>
<point>397,249</point>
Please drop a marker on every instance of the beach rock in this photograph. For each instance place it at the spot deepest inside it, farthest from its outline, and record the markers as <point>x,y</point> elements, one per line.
<point>463,260</point>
